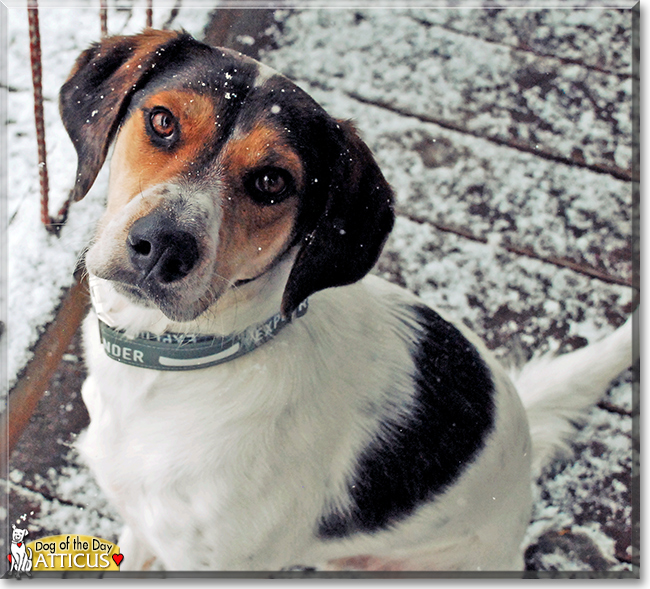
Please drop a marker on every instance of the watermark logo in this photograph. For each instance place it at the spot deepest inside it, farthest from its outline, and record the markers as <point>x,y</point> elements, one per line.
<point>65,552</point>
<point>72,552</point>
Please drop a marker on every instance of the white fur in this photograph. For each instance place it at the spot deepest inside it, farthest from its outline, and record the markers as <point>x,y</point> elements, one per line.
<point>557,391</point>
<point>229,467</point>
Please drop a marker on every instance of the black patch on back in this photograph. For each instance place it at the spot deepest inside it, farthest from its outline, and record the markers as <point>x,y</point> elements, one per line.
<point>418,458</point>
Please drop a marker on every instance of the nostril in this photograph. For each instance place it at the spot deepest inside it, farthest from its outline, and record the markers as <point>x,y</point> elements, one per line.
<point>141,247</point>
<point>144,253</point>
<point>180,256</point>
<point>172,269</point>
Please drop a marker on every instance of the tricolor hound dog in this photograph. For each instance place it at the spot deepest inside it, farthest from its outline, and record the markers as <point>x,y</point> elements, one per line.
<point>256,401</point>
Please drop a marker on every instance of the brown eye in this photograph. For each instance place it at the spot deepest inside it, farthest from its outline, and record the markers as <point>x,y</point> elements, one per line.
<point>270,183</point>
<point>269,186</point>
<point>163,123</point>
<point>162,127</point>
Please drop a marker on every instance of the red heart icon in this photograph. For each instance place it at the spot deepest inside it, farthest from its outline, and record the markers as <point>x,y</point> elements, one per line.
<point>20,544</point>
<point>118,558</point>
<point>9,557</point>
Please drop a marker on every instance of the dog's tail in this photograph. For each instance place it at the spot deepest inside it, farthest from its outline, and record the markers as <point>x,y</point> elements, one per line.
<point>558,391</point>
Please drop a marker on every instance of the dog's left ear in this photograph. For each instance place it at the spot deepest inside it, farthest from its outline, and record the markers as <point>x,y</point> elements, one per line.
<point>350,233</point>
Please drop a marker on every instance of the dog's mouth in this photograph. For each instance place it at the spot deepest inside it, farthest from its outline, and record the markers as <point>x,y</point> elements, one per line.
<point>174,303</point>
<point>180,300</point>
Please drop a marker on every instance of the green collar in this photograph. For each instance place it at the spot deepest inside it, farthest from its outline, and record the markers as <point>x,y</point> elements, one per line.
<point>180,351</point>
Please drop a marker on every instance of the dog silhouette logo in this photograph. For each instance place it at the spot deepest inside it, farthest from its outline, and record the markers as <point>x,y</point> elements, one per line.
<point>20,556</point>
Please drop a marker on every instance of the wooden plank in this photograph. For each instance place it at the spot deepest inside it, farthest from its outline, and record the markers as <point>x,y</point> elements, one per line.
<point>597,37</point>
<point>542,105</point>
<point>246,31</point>
<point>495,193</point>
<point>36,377</point>
<point>517,305</point>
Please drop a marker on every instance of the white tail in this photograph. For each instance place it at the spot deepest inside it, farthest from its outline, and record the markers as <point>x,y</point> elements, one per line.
<point>558,391</point>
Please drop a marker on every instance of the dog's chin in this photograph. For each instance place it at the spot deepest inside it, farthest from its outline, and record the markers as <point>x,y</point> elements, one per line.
<point>173,307</point>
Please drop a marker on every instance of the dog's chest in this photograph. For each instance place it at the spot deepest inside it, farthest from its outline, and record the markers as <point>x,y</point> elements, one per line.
<point>178,467</point>
<point>232,453</point>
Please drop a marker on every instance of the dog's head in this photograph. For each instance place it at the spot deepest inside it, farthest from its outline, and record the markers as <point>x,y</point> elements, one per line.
<point>220,167</point>
<point>17,534</point>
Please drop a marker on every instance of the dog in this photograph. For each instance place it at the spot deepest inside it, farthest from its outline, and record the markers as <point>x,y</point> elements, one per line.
<point>257,399</point>
<point>21,556</point>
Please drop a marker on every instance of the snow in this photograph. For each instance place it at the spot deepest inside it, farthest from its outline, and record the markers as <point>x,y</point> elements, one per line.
<point>488,88</point>
<point>505,192</point>
<point>40,265</point>
<point>426,90</point>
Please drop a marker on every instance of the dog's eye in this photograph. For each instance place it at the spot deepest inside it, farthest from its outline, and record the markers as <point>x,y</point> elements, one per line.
<point>271,182</point>
<point>162,127</point>
<point>162,123</point>
<point>269,186</point>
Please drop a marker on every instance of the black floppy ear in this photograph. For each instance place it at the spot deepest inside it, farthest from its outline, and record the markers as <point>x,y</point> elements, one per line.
<point>350,233</point>
<point>96,95</point>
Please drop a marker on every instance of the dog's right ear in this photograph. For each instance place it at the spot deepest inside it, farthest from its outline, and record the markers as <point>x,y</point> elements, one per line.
<point>344,240</point>
<point>96,95</point>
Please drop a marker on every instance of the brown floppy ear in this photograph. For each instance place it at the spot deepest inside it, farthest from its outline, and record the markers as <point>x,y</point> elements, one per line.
<point>96,95</point>
<point>351,231</point>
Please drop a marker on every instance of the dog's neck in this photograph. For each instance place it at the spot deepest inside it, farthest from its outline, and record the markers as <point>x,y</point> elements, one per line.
<point>238,308</point>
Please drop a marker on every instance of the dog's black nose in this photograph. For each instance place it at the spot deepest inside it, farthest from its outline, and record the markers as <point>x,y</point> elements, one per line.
<point>160,251</point>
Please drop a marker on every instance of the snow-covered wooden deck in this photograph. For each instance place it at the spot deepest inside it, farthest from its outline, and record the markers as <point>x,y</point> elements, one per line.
<point>508,137</point>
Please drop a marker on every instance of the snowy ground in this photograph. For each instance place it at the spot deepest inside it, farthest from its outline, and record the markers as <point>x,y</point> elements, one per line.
<point>507,137</point>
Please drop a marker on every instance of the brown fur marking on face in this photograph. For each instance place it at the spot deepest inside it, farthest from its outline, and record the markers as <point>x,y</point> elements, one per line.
<point>264,145</point>
<point>138,164</point>
<point>253,235</point>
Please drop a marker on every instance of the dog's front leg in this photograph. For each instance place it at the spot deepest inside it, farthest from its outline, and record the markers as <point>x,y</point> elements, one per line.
<point>27,563</point>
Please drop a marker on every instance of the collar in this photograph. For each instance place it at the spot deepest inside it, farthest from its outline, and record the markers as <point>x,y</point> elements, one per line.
<point>180,351</point>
